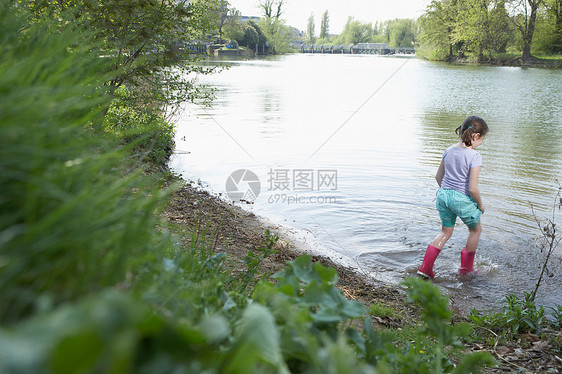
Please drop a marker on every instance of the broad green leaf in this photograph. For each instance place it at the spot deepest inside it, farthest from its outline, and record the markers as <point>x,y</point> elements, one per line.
<point>327,275</point>
<point>257,344</point>
<point>302,268</point>
<point>473,362</point>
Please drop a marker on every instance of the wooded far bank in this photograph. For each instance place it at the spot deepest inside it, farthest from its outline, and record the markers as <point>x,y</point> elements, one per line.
<point>448,30</point>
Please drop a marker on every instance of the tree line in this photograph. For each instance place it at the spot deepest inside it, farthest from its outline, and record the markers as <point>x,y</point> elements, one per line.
<point>272,29</point>
<point>453,28</point>
<point>447,30</point>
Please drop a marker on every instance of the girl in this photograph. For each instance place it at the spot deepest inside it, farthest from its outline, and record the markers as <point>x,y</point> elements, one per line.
<point>459,195</point>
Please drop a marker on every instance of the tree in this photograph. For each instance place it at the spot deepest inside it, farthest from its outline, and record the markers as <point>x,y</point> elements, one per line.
<point>252,36</point>
<point>402,32</point>
<point>523,15</point>
<point>501,30</point>
<point>324,26</point>
<point>438,24</point>
<point>142,39</point>
<point>310,38</point>
<point>272,8</point>
<point>482,25</point>
<point>355,32</point>
<point>277,33</point>
<point>234,27</point>
<point>554,8</point>
<point>472,27</point>
<point>548,33</point>
<point>223,13</point>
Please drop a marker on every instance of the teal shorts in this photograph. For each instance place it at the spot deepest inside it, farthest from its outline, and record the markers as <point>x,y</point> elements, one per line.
<point>451,203</point>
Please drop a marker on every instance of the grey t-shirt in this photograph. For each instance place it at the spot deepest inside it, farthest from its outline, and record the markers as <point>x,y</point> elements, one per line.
<point>458,162</point>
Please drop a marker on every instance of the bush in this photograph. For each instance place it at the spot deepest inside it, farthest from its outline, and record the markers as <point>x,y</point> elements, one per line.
<point>150,134</point>
<point>432,53</point>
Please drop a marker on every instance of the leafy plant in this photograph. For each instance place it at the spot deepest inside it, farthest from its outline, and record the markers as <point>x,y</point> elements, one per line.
<point>150,134</point>
<point>380,310</point>
<point>314,286</point>
<point>254,259</point>
<point>522,315</point>
<point>420,355</point>
<point>309,311</point>
<point>557,315</point>
<point>257,345</point>
<point>112,332</point>
<point>191,280</point>
<point>518,315</point>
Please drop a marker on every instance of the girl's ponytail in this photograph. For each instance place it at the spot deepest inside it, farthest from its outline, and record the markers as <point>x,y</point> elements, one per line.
<point>471,125</point>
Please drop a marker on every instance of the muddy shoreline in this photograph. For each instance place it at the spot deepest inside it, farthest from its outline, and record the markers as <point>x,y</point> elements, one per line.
<point>234,231</point>
<point>509,62</point>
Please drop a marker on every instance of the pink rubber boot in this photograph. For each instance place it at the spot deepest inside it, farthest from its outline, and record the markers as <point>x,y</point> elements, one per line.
<point>426,268</point>
<point>467,262</point>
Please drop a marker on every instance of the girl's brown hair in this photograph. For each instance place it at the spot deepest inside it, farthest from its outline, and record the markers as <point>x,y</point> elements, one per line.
<point>471,125</point>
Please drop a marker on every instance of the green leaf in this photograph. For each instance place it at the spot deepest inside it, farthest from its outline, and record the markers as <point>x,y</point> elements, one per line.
<point>77,353</point>
<point>96,334</point>
<point>257,344</point>
<point>473,362</point>
<point>215,328</point>
<point>327,275</point>
<point>302,268</point>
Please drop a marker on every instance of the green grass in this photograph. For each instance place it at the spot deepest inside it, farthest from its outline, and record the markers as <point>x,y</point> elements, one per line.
<point>540,56</point>
<point>557,57</point>
<point>378,309</point>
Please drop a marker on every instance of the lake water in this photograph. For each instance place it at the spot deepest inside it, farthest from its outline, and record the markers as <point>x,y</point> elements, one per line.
<point>345,148</point>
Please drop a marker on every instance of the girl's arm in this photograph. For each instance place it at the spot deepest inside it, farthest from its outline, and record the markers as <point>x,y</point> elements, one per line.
<point>441,173</point>
<point>473,187</point>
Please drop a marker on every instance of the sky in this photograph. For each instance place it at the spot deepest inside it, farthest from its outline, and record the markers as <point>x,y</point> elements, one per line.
<point>298,11</point>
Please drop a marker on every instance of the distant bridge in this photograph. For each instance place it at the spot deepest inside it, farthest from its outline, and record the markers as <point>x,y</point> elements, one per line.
<point>360,48</point>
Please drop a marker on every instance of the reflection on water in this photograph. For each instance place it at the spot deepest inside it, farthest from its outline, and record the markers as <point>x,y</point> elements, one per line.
<point>382,123</point>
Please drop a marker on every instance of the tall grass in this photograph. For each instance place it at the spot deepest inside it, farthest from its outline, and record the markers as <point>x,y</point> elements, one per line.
<point>71,222</point>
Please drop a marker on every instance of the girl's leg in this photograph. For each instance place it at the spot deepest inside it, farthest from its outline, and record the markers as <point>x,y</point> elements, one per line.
<point>433,250</point>
<point>473,237</point>
<point>444,235</point>
<point>468,253</point>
